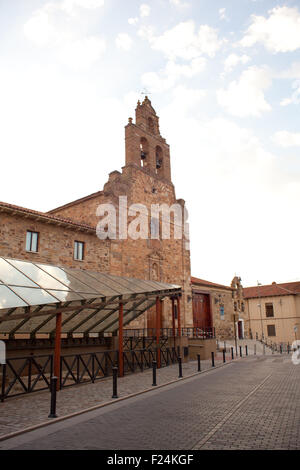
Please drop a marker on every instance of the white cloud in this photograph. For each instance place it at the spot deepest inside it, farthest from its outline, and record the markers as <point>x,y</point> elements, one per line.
<point>185,42</point>
<point>124,41</point>
<point>233,60</point>
<point>82,53</point>
<point>70,5</point>
<point>133,21</point>
<point>54,26</point>
<point>146,32</point>
<point>245,97</point>
<point>144,10</point>
<point>280,32</point>
<point>287,139</point>
<point>292,72</point>
<point>295,98</point>
<point>179,3</point>
<point>40,28</point>
<point>165,79</point>
<point>222,14</point>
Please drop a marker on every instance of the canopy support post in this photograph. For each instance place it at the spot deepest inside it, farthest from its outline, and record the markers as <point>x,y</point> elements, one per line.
<point>173,315</point>
<point>178,316</point>
<point>57,351</point>
<point>158,315</point>
<point>121,359</point>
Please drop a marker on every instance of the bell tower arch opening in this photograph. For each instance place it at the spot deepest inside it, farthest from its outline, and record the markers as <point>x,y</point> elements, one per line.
<point>159,160</point>
<point>145,147</point>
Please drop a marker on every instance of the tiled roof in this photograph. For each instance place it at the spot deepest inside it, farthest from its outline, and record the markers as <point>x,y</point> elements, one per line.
<point>5,207</point>
<point>202,282</point>
<point>77,201</point>
<point>288,288</point>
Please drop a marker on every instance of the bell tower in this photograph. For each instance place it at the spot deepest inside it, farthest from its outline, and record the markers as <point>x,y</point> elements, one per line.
<point>144,146</point>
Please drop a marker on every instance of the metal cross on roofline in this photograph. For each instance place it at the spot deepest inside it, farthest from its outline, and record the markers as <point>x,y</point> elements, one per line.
<point>145,92</point>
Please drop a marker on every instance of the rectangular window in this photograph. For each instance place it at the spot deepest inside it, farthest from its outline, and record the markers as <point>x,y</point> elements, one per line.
<point>78,250</point>
<point>32,241</point>
<point>222,313</point>
<point>269,310</point>
<point>271,330</point>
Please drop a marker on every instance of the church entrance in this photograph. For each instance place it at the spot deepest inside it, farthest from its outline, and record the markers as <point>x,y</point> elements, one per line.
<point>201,311</point>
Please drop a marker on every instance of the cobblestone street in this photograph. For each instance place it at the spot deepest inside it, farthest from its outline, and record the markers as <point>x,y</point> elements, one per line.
<point>251,403</point>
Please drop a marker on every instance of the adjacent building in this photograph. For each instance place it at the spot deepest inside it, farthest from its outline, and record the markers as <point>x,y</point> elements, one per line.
<point>220,309</point>
<point>274,311</point>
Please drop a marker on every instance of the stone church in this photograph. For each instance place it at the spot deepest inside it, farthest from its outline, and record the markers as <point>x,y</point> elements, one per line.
<point>67,235</point>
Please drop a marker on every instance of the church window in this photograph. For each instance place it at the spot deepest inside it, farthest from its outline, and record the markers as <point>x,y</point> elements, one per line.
<point>78,250</point>
<point>32,241</point>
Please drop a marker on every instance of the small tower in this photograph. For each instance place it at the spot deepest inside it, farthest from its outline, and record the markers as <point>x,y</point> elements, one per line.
<point>145,147</point>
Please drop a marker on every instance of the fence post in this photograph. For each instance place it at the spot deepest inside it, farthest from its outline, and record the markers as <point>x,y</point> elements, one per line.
<point>241,353</point>
<point>224,355</point>
<point>180,368</point>
<point>154,364</point>
<point>199,363</point>
<point>212,359</point>
<point>3,382</point>
<point>115,382</point>
<point>246,348</point>
<point>53,388</point>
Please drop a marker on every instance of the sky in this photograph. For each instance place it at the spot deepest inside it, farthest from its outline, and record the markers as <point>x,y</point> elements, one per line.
<point>224,78</point>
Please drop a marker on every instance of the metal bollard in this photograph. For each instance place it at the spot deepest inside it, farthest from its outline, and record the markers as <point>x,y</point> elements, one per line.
<point>224,355</point>
<point>255,350</point>
<point>288,348</point>
<point>246,349</point>
<point>3,382</point>
<point>180,368</point>
<point>241,353</point>
<point>53,385</point>
<point>212,359</point>
<point>199,363</point>
<point>281,349</point>
<point>154,365</point>
<point>115,382</point>
<point>232,354</point>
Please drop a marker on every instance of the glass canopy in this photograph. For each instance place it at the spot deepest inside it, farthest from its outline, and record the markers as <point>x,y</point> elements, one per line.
<point>89,301</point>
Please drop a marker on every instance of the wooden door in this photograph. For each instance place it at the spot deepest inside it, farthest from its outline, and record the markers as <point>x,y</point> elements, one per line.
<point>240,330</point>
<point>201,311</point>
<point>151,318</point>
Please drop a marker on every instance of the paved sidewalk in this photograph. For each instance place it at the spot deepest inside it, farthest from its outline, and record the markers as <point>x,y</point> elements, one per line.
<point>253,403</point>
<point>17,413</point>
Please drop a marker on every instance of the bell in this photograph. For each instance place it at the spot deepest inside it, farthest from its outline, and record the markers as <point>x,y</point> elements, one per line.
<point>158,163</point>
<point>143,155</point>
